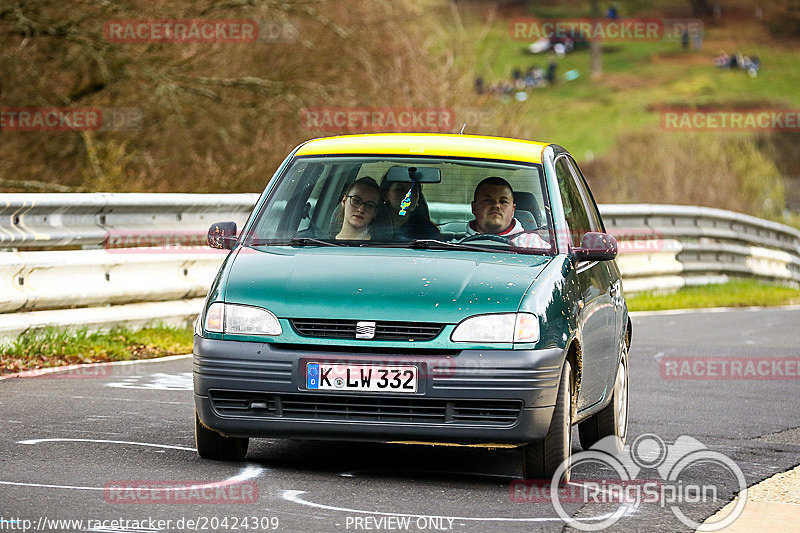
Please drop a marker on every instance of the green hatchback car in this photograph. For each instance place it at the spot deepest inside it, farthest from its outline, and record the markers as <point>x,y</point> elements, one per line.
<point>417,288</point>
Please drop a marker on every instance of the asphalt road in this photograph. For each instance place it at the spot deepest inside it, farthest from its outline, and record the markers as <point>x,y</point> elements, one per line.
<point>68,443</point>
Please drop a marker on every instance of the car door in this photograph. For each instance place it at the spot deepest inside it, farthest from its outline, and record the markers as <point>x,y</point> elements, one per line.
<point>597,322</point>
<point>614,281</point>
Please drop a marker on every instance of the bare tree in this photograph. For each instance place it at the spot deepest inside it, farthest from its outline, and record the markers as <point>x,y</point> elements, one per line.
<point>596,65</point>
<point>701,8</point>
<point>215,116</point>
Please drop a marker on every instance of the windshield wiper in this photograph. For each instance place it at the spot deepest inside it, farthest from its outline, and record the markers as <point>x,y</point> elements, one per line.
<point>305,241</point>
<point>296,241</point>
<point>442,245</point>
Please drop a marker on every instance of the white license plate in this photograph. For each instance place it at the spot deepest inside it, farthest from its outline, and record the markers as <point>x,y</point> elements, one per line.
<point>372,378</point>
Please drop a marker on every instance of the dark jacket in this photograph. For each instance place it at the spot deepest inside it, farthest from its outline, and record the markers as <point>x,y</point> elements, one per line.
<point>417,227</point>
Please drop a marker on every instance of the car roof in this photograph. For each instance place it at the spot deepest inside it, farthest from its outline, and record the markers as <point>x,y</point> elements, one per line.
<point>427,144</point>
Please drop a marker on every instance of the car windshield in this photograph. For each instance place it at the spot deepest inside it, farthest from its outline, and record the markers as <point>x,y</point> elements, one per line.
<point>416,202</point>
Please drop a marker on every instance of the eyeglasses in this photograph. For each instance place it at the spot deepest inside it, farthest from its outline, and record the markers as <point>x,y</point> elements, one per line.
<point>357,202</point>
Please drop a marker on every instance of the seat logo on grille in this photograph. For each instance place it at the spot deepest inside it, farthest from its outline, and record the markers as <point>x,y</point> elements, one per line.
<point>365,330</point>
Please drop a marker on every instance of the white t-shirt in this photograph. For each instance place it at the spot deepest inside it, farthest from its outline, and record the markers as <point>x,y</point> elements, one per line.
<point>515,234</point>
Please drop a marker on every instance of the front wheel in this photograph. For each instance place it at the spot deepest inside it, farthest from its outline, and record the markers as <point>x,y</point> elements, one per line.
<point>541,459</point>
<point>612,420</point>
<point>212,445</point>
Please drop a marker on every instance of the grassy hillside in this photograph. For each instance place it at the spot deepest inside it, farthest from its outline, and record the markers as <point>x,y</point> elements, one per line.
<point>612,125</point>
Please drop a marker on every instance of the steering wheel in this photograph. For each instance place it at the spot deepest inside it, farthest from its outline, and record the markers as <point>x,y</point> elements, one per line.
<point>486,237</point>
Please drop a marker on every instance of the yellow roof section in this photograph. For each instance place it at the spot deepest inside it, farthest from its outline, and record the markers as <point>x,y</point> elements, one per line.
<point>428,144</point>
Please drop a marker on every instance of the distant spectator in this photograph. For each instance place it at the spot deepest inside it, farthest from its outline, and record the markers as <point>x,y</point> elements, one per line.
<point>723,60</point>
<point>530,81</point>
<point>697,40</point>
<point>479,88</point>
<point>685,40</point>
<point>750,64</point>
<point>612,12</point>
<point>550,76</point>
<point>538,76</point>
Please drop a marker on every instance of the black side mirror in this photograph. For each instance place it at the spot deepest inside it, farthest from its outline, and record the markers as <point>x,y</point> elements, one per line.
<point>596,246</point>
<point>222,235</point>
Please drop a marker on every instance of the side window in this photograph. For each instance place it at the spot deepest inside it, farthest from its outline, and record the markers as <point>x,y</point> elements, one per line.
<point>574,211</point>
<point>588,201</point>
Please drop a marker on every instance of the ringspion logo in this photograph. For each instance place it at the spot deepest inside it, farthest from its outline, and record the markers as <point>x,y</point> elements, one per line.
<point>689,474</point>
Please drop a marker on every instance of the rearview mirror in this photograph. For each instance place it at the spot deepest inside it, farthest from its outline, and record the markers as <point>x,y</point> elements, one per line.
<point>596,246</point>
<point>417,174</point>
<point>222,235</point>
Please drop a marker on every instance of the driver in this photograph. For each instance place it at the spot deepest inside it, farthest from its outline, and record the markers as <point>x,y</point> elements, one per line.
<point>493,206</point>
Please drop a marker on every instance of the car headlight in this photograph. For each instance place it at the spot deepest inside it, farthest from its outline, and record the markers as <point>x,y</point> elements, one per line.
<point>501,327</point>
<point>241,319</point>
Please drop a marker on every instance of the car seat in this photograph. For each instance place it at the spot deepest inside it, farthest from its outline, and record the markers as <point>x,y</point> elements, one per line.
<point>528,212</point>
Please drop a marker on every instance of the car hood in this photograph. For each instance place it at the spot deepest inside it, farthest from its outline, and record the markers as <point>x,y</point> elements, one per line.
<point>441,286</point>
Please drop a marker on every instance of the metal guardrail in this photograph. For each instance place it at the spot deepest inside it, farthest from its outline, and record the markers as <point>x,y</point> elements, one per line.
<point>116,285</point>
<point>675,245</point>
<point>661,247</point>
<point>94,220</point>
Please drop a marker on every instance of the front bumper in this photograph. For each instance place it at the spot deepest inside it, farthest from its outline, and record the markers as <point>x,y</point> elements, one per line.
<point>250,389</point>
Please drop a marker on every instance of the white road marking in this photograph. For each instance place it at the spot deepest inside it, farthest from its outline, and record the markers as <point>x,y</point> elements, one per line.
<point>50,370</point>
<point>713,310</point>
<point>109,398</point>
<point>157,381</point>
<point>166,446</point>
<point>294,497</point>
<point>247,473</point>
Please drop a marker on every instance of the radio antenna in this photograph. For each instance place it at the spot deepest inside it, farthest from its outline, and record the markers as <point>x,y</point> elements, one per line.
<point>462,129</point>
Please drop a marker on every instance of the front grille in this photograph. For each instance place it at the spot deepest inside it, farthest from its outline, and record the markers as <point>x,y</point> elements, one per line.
<point>325,407</point>
<point>369,349</point>
<point>500,413</point>
<point>346,329</point>
<point>338,407</point>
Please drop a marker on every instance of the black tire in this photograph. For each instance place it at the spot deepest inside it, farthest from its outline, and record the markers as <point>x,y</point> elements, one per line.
<point>541,459</point>
<point>212,445</point>
<point>612,420</point>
